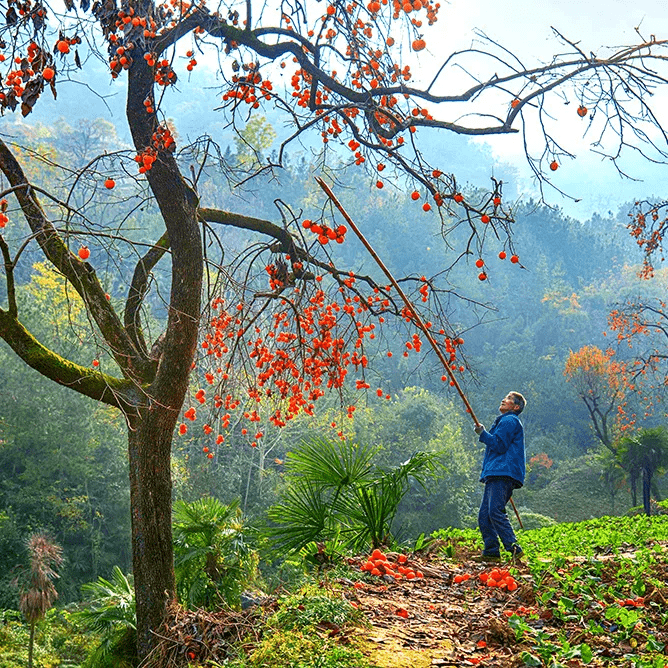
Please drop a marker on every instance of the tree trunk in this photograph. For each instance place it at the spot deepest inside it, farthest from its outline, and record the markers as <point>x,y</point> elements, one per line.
<point>160,400</point>
<point>646,485</point>
<point>149,441</point>
<point>634,491</point>
<point>31,643</point>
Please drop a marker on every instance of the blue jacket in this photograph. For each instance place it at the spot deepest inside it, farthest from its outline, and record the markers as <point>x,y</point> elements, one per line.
<point>504,449</point>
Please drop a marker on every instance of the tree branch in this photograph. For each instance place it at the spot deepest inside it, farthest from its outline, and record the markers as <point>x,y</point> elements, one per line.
<point>98,386</point>
<point>138,290</point>
<point>80,274</point>
<point>248,223</point>
<point>9,272</point>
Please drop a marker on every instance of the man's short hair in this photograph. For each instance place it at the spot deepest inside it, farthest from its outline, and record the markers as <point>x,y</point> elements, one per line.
<point>519,401</point>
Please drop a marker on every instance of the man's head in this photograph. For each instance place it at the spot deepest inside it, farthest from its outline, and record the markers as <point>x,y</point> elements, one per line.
<point>513,402</point>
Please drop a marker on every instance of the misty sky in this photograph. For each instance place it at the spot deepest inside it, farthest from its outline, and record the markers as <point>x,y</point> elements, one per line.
<point>525,27</point>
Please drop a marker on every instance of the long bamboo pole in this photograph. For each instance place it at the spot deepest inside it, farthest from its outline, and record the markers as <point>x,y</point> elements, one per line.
<point>409,305</point>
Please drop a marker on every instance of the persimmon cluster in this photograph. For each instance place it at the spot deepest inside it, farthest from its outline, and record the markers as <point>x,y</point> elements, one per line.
<point>250,88</point>
<point>164,74</point>
<point>326,233</point>
<point>415,6</point>
<point>499,578</point>
<point>64,43</point>
<point>301,90</point>
<point>36,12</point>
<point>146,158</point>
<point>28,79</point>
<point>163,139</point>
<point>306,347</point>
<point>277,276</point>
<point>15,81</point>
<point>397,566</point>
<point>121,60</point>
<point>374,77</point>
<point>192,62</point>
<point>128,20</point>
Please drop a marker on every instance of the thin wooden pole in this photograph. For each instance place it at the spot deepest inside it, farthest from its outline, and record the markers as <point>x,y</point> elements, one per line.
<point>409,305</point>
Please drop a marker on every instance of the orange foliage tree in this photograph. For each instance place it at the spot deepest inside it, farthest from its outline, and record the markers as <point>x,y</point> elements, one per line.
<point>351,82</point>
<point>600,381</point>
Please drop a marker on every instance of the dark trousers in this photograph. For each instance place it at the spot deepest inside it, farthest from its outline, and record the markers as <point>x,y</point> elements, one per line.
<point>492,518</point>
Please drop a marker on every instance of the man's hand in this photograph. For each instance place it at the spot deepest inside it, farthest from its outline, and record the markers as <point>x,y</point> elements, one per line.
<point>479,428</point>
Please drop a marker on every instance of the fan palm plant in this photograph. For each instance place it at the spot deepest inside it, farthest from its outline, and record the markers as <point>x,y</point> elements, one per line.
<point>335,491</point>
<point>110,611</point>
<point>212,556</point>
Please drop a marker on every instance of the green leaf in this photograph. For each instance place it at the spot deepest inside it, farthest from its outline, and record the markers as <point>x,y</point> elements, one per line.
<point>586,653</point>
<point>529,659</point>
<point>331,464</point>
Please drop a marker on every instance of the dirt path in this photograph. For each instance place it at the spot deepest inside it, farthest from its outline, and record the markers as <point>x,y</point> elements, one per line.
<point>433,621</point>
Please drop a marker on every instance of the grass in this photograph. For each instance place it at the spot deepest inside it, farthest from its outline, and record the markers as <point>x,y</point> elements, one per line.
<point>60,641</point>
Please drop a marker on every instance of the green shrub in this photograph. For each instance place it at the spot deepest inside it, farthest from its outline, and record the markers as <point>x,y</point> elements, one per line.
<point>212,556</point>
<point>334,491</point>
<point>310,607</point>
<point>61,640</point>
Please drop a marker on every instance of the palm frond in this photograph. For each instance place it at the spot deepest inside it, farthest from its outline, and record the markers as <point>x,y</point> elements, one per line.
<point>111,603</point>
<point>204,515</point>
<point>331,464</point>
<point>300,517</point>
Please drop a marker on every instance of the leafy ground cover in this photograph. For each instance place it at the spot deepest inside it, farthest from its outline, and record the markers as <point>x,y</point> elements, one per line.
<point>587,594</point>
<point>593,594</point>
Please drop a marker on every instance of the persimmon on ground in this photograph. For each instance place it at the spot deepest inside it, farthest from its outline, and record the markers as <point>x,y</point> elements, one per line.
<point>351,84</point>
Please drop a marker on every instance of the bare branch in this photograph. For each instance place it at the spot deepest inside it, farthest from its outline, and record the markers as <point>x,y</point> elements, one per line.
<point>138,290</point>
<point>9,273</point>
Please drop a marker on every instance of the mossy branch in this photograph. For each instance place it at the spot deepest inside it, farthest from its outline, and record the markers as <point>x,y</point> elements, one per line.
<point>120,393</point>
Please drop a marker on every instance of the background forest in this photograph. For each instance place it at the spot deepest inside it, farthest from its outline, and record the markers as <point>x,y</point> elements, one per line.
<point>63,459</point>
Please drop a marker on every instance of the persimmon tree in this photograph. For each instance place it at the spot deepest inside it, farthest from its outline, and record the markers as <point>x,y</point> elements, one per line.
<point>640,323</point>
<point>351,83</point>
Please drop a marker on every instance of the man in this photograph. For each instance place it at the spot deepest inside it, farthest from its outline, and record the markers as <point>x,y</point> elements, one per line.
<point>503,470</point>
